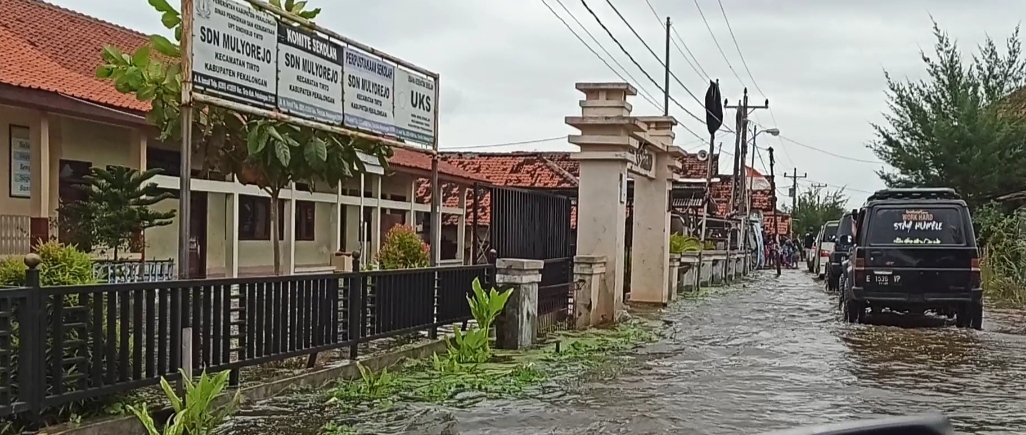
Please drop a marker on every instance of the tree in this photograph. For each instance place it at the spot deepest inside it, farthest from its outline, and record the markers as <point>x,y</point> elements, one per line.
<point>962,126</point>
<point>259,151</point>
<point>815,207</point>
<point>117,208</point>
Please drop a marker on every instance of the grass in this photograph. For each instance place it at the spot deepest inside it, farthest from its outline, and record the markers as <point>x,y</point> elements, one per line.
<point>508,375</point>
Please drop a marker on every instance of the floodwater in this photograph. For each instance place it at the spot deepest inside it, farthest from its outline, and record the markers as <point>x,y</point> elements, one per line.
<point>770,354</point>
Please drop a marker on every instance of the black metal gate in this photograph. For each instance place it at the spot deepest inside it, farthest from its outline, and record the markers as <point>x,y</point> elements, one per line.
<point>533,225</point>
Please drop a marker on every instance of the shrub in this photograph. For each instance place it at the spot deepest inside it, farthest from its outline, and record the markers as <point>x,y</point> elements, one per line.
<point>403,249</point>
<point>680,244</point>
<point>61,265</point>
<point>472,347</point>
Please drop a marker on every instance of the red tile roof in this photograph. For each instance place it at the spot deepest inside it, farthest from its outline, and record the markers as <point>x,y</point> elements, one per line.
<point>53,49</point>
<point>520,169</point>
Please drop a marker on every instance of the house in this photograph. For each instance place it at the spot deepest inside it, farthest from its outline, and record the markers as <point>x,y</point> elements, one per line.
<point>558,172</point>
<point>59,121</point>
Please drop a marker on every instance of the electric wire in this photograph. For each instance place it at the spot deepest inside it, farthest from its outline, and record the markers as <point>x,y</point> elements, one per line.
<point>638,65</point>
<point>695,65</point>
<point>660,61</point>
<point>644,94</point>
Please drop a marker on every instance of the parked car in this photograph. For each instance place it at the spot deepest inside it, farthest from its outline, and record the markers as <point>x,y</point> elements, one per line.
<point>824,246</point>
<point>839,253</point>
<point>914,251</point>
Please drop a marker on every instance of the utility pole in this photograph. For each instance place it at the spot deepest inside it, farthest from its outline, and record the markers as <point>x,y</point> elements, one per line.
<point>666,83</point>
<point>739,196</point>
<point>794,193</point>
<point>773,193</point>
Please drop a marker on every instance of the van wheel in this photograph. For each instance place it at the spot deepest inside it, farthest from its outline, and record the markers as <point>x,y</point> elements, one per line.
<point>974,316</point>
<point>853,312</point>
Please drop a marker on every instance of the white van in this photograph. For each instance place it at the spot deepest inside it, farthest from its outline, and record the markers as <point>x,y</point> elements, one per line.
<point>824,246</point>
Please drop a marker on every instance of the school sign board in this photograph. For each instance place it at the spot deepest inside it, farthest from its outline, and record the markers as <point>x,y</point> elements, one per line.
<point>252,57</point>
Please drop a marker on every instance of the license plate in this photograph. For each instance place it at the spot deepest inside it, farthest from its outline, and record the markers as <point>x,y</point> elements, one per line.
<point>882,279</point>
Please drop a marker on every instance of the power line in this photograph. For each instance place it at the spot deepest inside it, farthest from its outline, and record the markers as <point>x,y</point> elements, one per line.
<point>504,144</point>
<point>807,180</point>
<point>645,94</point>
<point>660,61</point>
<point>717,42</point>
<point>695,66</point>
<point>738,47</point>
<point>877,162</point>
<point>635,62</point>
<point>662,64</point>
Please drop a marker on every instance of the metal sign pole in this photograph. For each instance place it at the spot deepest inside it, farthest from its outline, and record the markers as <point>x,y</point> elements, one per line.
<point>436,190</point>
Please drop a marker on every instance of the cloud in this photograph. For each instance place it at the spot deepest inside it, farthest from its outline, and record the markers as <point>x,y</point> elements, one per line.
<point>508,67</point>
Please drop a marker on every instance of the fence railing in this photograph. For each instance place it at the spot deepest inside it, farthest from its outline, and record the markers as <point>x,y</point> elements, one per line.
<point>15,234</point>
<point>71,344</point>
<point>134,271</point>
<point>555,294</point>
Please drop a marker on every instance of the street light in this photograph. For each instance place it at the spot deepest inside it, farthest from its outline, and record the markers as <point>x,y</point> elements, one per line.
<point>772,131</point>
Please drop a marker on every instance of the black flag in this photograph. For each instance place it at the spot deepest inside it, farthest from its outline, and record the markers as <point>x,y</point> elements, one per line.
<point>713,107</point>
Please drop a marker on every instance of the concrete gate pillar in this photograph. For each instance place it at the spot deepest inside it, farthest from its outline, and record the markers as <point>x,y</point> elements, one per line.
<point>653,175</point>
<point>606,148</point>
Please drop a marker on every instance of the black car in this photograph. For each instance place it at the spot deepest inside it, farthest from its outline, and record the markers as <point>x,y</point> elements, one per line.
<point>914,251</point>
<point>840,252</point>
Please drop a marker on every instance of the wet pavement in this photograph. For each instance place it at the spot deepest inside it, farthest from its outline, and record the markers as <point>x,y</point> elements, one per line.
<point>772,354</point>
<point>769,353</point>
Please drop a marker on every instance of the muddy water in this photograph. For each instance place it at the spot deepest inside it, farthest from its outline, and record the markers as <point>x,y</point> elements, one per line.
<point>774,355</point>
<point>766,355</point>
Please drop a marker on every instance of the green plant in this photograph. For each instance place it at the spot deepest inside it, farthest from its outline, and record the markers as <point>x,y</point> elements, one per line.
<point>680,244</point>
<point>197,414</point>
<point>61,265</point>
<point>403,249</point>
<point>473,346</point>
<point>1003,269</point>
<point>117,208</point>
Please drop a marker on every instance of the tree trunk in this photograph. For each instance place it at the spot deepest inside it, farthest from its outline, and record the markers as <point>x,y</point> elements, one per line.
<point>275,242</point>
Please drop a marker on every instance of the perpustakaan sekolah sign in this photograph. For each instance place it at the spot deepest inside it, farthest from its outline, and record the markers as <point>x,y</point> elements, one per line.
<point>234,51</point>
<point>368,92</point>
<point>309,75</point>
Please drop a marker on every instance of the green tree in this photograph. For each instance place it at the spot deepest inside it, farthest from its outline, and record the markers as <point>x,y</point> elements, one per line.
<point>259,151</point>
<point>117,208</point>
<point>815,207</point>
<point>962,126</point>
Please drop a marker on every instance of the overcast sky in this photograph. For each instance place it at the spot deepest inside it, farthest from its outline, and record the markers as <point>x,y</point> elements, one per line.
<point>508,67</point>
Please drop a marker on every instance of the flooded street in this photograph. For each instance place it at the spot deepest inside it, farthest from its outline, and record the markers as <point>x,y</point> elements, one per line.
<point>771,354</point>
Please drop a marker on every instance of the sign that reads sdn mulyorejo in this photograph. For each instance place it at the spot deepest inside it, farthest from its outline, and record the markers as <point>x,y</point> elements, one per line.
<point>310,75</point>
<point>235,51</point>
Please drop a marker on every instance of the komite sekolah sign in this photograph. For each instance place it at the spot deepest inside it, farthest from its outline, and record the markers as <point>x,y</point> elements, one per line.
<point>310,75</point>
<point>251,57</point>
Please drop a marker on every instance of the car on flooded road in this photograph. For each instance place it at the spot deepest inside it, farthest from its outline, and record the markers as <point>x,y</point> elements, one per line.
<point>913,251</point>
<point>824,246</point>
<point>839,253</point>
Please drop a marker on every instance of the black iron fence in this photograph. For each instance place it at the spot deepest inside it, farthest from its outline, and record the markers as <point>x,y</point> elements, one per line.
<point>555,294</point>
<point>71,344</point>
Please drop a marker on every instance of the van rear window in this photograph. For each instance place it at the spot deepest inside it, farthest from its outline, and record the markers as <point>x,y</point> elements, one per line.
<point>916,226</point>
<point>829,231</point>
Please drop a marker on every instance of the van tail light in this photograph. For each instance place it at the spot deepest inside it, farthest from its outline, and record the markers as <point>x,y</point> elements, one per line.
<point>824,253</point>
<point>859,267</point>
<point>975,280</point>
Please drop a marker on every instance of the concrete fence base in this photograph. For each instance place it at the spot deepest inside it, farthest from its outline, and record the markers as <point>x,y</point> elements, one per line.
<point>696,270</point>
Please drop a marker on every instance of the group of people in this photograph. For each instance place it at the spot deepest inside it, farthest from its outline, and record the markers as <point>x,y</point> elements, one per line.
<point>787,252</point>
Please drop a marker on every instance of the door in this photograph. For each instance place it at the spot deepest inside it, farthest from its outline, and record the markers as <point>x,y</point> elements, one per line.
<point>198,236</point>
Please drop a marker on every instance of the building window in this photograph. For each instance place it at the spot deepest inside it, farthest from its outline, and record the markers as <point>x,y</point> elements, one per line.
<point>305,213</point>
<point>255,218</point>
